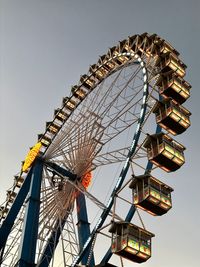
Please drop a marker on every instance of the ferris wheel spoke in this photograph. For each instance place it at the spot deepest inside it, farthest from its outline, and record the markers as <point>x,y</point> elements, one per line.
<point>111,157</point>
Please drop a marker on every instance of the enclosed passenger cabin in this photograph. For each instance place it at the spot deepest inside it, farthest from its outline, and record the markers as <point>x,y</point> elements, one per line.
<point>164,152</point>
<point>52,127</point>
<point>172,117</point>
<point>131,242</point>
<point>78,92</point>
<point>3,212</point>
<point>61,115</point>
<point>71,104</point>
<point>170,62</point>
<point>87,82</point>
<point>45,140</point>
<point>18,181</point>
<point>151,195</point>
<point>11,196</point>
<point>171,85</point>
<point>166,47</point>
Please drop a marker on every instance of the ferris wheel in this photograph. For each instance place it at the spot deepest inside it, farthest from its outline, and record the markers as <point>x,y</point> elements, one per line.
<point>94,167</point>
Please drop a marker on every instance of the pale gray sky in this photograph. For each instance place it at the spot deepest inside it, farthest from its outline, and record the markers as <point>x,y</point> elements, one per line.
<point>46,45</point>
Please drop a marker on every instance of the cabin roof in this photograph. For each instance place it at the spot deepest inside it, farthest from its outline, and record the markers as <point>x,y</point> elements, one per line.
<point>140,177</point>
<point>164,136</point>
<point>124,223</point>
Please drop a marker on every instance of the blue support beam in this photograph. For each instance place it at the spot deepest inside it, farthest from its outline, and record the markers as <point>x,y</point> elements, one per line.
<point>30,229</point>
<point>14,210</point>
<point>61,171</point>
<point>83,228</point>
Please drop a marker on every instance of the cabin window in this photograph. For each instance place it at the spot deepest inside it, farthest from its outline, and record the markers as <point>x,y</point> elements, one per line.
<point>172,153</point>
<point>180,117</point>
<point>180,88</point>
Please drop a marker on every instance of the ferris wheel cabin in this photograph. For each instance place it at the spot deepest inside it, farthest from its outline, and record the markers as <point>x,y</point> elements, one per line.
<point>170,62</point>
<point>18,181</point>
<point>164,151</point>
<point>10,196</point>
<point>172,117</point>
<point>166,47</point>
<point>3,212</point>
<point>151,195</point>
<point>131,242</point>
<point>78,92</point>
<point>173,86</point>
<point>87,82</point>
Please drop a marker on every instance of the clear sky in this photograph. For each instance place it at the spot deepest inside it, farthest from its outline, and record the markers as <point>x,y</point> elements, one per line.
<point>46,45</point>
